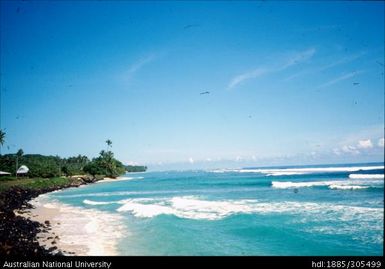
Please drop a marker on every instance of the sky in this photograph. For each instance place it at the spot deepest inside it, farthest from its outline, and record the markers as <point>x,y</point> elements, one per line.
<point>188,85</point>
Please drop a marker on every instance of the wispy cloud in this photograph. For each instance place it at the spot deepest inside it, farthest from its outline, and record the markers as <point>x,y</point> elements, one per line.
<point>365,144</point>
<point>350,149</point>
<point>341,61</point>
<point>294,59</point>
<point>336,63</point>
<point>139,64</point>
<point>246,76</point>
<point>298,57</point>
<point>339,79</point>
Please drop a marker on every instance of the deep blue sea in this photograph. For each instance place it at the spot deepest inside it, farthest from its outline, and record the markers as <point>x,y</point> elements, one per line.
<point>307,210</point>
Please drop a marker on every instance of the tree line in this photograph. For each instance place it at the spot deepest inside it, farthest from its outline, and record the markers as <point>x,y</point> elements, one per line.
<point>53,166</point>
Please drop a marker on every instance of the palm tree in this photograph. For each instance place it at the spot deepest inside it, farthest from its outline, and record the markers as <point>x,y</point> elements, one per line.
<point>109,143</point>
<point>20,153</point>
<point>2,139</point>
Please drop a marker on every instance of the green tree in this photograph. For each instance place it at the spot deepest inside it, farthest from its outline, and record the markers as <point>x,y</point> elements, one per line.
<point>2,139</point>
<point>109,144</point>
<point>105,165</point>
<point>20,153</point>
<point>74,165</point>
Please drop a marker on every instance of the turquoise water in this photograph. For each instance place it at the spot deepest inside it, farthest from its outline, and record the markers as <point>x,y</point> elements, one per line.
<point>323,210</point>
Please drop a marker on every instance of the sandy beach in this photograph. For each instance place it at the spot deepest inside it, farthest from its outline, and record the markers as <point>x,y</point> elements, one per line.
<point>75,231</point>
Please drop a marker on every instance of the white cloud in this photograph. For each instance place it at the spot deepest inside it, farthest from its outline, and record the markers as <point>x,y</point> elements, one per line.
<point>342,61</point>
<point>191,160</point>
<point>381,142</point>
<point>139,64</point>
<point>328,66</point>
<point>337,152</point>
<point>350,149</point>
<point>296,58</point>
<point>299,57</point>
<point>246,76</point>
<point>364,144</point>
<point>338,79</point>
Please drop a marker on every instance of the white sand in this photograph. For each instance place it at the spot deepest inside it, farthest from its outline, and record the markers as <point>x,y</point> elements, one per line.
<point>82,231</point>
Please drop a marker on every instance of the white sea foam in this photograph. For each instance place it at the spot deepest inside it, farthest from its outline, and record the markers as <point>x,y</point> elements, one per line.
<point>89,202</point>
<point>337,184</point>
<point>95,231</point>
<point>300,171</point>
<point>191,207</point>
<point>347,187</point>
<point>289,184</point>
<point>369,176</point>
<point>145,210</point>
<point>118,179</point>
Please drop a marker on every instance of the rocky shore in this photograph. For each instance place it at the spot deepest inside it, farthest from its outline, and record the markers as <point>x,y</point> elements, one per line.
<point>18,234</point>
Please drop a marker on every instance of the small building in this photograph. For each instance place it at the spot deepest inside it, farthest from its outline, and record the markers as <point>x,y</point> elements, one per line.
<point>22,171</point>
<point>2,173</point>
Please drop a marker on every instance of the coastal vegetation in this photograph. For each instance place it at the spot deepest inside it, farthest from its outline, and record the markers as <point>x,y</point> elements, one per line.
<point>106,165</point>
<point>54,166</point>
<point>135,168</point>
<point>41,166</point>
<point>45,174</point>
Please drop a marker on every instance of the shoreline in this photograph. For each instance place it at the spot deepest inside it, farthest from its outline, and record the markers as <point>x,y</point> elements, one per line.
<point>76,231</point>
<point>22,232</point>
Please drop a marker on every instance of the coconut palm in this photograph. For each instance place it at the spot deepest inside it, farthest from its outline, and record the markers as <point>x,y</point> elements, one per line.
<point>109,143</point>
<point>2,137</point>
<point>19,153</point>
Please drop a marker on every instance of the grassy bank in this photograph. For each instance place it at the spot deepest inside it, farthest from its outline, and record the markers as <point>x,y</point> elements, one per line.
<point>34,183</point>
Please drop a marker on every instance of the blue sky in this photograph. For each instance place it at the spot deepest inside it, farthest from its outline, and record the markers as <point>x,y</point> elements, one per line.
<point>288,82</point>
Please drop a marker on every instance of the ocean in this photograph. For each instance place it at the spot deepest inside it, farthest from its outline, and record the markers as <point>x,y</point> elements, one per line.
<point>303,210</point>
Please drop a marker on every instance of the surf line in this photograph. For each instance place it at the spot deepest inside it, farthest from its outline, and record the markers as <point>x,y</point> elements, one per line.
<point>57,264</point>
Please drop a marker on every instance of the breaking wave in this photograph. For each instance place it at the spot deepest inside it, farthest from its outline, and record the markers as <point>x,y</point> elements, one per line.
<point>347,187</point>
<point>191,207</point>
<point>89,202</point>
<point>365,216</point>
<point>300,171</point>
<point>369,176</point>
<point>332,184</point>
<point>289,184</point>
